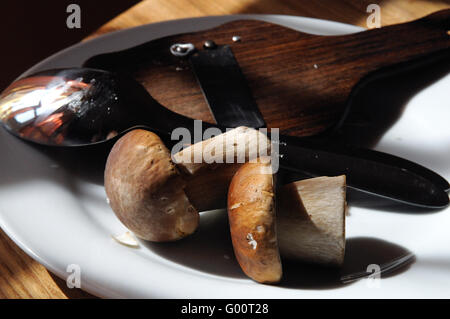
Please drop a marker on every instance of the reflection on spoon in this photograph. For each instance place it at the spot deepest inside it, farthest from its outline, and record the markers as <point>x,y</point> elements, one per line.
<point>74,107</point>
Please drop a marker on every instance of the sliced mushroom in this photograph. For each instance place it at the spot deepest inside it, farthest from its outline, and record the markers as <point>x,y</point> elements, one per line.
<point>311,220</point>
<point>145,189</point>
<point>158,200</point>
<point>251,213</point>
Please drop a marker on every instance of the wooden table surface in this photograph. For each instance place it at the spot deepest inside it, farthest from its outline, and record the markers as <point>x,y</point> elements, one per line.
<point>21,276</point>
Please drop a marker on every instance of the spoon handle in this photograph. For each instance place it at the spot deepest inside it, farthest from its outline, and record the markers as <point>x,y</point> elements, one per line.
<point>367,170</point>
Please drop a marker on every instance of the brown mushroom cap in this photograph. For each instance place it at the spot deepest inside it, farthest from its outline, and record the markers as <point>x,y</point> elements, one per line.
<point>145,189</point>
<point>251,214</point>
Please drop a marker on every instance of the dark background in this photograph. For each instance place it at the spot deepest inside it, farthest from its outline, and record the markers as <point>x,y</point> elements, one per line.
<point>32,30</point>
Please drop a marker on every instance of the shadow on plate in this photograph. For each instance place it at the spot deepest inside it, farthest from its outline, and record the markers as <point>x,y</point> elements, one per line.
<point>209,250</point>
<point>381,102</point>
<point>23,161</point>
<point>360,253</point>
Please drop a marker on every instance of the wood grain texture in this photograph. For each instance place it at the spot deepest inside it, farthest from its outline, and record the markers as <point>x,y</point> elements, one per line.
<point>21,276</point>
<point>307,76</point>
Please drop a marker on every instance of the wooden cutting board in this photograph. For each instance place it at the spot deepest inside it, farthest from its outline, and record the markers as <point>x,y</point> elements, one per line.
<point>302,83</point>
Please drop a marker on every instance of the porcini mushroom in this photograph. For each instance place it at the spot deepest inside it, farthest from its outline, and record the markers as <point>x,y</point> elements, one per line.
<point>159,200</point>
<point>251,213</point>
<point>309,222</point>
<point>145,189</point>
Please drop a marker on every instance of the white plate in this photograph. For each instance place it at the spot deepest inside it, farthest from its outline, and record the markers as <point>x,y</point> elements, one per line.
<point>60,220</point>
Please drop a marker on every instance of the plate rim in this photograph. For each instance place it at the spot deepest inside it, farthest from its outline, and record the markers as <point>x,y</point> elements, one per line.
<point>217,20</point>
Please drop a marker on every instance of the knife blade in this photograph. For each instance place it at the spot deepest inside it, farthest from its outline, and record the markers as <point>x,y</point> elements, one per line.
<point>230,100</point>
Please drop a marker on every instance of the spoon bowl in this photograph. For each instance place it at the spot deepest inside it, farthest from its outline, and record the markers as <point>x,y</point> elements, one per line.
<point>81,106</point>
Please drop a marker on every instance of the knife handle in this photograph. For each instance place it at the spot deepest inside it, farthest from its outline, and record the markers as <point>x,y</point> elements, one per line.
<point>370,171</point>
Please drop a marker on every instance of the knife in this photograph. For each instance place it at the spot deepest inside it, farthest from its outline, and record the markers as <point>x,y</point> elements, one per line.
<point>231,103</point>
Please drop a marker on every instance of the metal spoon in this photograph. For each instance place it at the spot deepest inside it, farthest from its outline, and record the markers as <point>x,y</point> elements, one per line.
<point>79,107</point>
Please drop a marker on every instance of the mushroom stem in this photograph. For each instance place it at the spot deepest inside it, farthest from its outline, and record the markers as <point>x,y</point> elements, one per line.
<point>208,166</point>
<point>311,220</point>
<point>207,189</point>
